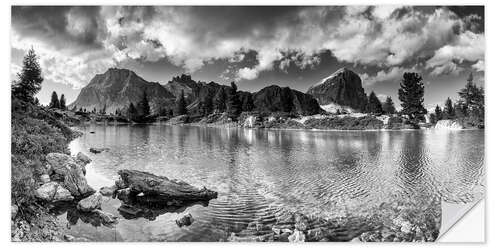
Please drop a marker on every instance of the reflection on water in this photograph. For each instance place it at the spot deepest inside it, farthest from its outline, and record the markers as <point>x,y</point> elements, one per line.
<point>261,173</point>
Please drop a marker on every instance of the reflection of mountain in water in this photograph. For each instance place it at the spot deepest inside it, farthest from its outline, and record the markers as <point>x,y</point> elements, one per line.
<point>392,181</point>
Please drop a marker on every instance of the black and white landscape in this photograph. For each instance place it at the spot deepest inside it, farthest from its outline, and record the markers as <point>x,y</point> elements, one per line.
<point>159,123</point>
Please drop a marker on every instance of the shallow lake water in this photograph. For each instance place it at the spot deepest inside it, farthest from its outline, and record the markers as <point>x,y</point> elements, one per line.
<point>259,173</point>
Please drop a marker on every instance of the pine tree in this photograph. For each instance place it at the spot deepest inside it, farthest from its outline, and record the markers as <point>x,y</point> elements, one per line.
<point>374,105</point>
<point>432,118</point>
<point>411,95</point>
<point>131,112</point>
<point>247,103</point>
<point>471,102</point>
<point>467,94</point>
<point>162,112</point>
<point>439,113</point>
<point>36,101</point>
<point>103,110</point>
<point>180,105</point>
<point>233,103</point>
<point>30,78</point>
<point>143,105</point>
<point>220,100</point>
<point>54,101</point>
<point>206,105</point>
<point>62,102</point>
<point>449,110</point>
<point>388,106</point>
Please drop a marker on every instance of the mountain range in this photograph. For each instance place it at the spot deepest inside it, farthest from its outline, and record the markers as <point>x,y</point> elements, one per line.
<point>117,88</point>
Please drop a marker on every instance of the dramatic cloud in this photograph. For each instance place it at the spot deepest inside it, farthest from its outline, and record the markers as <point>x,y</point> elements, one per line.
<point>77,42</point>
<point>392,74</point>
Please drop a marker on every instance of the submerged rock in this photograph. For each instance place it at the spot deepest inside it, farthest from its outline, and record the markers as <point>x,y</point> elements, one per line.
<point>90,203</point>
<point>250,238</point>
<point>185,220</point>
<point>98,150</point>
<point>71,238</point>
<point>53,192</point>
<point>297,236</point>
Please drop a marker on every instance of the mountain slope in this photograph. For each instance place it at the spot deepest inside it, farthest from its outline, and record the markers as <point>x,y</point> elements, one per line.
<point>117,88</point>
<point>284,99</point>
<point>342,87</point>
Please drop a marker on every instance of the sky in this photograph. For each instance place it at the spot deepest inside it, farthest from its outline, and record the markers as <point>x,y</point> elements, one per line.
<point>254,46</point>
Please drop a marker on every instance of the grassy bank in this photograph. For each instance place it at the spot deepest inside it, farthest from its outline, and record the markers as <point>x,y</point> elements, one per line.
<point>36,131</point>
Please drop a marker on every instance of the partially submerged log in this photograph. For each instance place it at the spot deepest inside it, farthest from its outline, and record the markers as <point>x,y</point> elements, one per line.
<point>160,189</point>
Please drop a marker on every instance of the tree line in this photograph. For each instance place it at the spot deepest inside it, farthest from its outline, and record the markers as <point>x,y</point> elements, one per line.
<point>469,108</point>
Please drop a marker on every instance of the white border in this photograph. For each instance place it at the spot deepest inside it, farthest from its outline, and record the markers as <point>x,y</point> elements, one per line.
<point>492,127</point>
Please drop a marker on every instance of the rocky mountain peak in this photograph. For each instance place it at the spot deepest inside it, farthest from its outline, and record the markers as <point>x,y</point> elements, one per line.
<point>116,88</point>
<point>342,87</point>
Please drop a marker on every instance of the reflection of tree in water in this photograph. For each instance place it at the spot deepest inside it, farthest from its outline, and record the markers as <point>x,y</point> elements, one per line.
<point>414,211</point>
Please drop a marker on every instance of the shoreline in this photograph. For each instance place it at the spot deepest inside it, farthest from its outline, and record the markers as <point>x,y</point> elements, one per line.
<point>227,125</point>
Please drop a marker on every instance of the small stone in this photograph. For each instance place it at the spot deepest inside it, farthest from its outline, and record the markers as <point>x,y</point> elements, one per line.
<point>283,237</point>
<point>185,220</point>
<point>297,236</point>
<point>406,227</point>
<point>44,178</point>
<point>83,158</point>
<point>90,203</point>
<point>98,150</point>
<point>120,184</point>
<point>315,234</point>
<point>123,194</point>
<point>52,192</point>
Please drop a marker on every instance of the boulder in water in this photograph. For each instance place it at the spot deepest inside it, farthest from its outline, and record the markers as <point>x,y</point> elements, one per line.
<point>75,181</point>
<point>83,158</point>
<point>53,192</point>
<point>185,220</point>
<point>160,189</point>
<point>90,203</point>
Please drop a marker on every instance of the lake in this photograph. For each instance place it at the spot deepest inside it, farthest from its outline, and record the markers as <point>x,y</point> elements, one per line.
<point>259,173</point>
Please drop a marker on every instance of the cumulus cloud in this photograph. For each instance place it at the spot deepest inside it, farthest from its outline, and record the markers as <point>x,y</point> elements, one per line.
<point>86,38</point>
<point>479,66</point>
<point>247,73</point>
<point>392,74</point>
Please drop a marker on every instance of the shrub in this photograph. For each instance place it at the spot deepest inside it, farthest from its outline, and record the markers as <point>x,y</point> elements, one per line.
<point>345,123</point>
<point>35,133</point>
